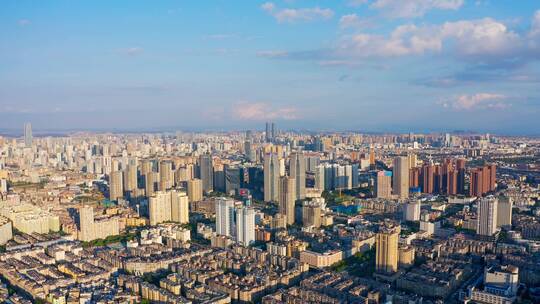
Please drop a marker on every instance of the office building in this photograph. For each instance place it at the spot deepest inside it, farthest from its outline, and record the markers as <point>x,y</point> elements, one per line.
<point>297,167</point>
<point>287,195</point>
<point>400,174</point>
<point>271,177</point>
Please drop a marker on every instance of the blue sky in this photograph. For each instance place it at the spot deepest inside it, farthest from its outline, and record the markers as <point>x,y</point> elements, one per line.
<point>365,65</point>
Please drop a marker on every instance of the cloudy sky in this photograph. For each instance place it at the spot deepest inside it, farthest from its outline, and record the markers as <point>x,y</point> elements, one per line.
<point>366,65</point>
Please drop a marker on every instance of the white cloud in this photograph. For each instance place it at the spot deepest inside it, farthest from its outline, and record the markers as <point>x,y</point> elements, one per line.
<point>535,25</point>
<point>263,111</point>
<point>467,38</point>
<point>478,101</point>
<point>352,21</point>
<point>413,8</point>
<point>292,15</point>
<point>356,3</point>
<point>272,54</point>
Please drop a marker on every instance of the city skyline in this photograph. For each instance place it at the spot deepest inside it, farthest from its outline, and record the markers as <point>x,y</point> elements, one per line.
<point>367,66</point>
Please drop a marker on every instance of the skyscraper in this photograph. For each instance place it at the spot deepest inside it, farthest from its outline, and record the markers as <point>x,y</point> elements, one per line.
<point>150,182</point>
<point>271,177</point>
<point>487,216</point>
<point>225,217</point>
<point>268,134</point>
<point>207,172</point>
<point>116,190</point>
<point>287,195</point>
<point>386,246</point>
<point>298,171</point>
<point>28,135</point>
<point>245,225</point>
<point>401,177</point>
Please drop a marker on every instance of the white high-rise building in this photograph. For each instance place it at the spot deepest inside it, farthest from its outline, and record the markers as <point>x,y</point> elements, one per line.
<point>28,135</point>
<point>179,207</point>
<point>487,216</point>
<point>298,171</point>
<point>401,177</point>
<point>319,177</point>
<point>159,206</point>
<point>412,211</point>
<point>225,217</point>
<point>245,225</point>
<point>271,177</point>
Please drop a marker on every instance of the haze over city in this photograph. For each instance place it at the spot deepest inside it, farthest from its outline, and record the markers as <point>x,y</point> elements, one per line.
<point>365,65</point>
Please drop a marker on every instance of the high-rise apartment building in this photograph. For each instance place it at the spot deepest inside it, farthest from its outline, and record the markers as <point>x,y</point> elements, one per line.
<point>159,207</point>
<point>150,183</point>
<point>271,177</point>
<point>225,217</point>
<point>383,184</point>
<point>287,198</point>
<point>504,212</point>
<point>130,178</point>
<point>179,207</point>
<point>401,177</point>
<point>460,167</point>
<point>311,214</point>
<point>206,167</point>
<point>386,246</point>
<point>90,229</point>
<point>487,216</point>
<point>116,189</point>
<point>195,191</point>
<point>297,167</point>
<point>411,211</point>
<point>166,176</point>
<point>245,225</point>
